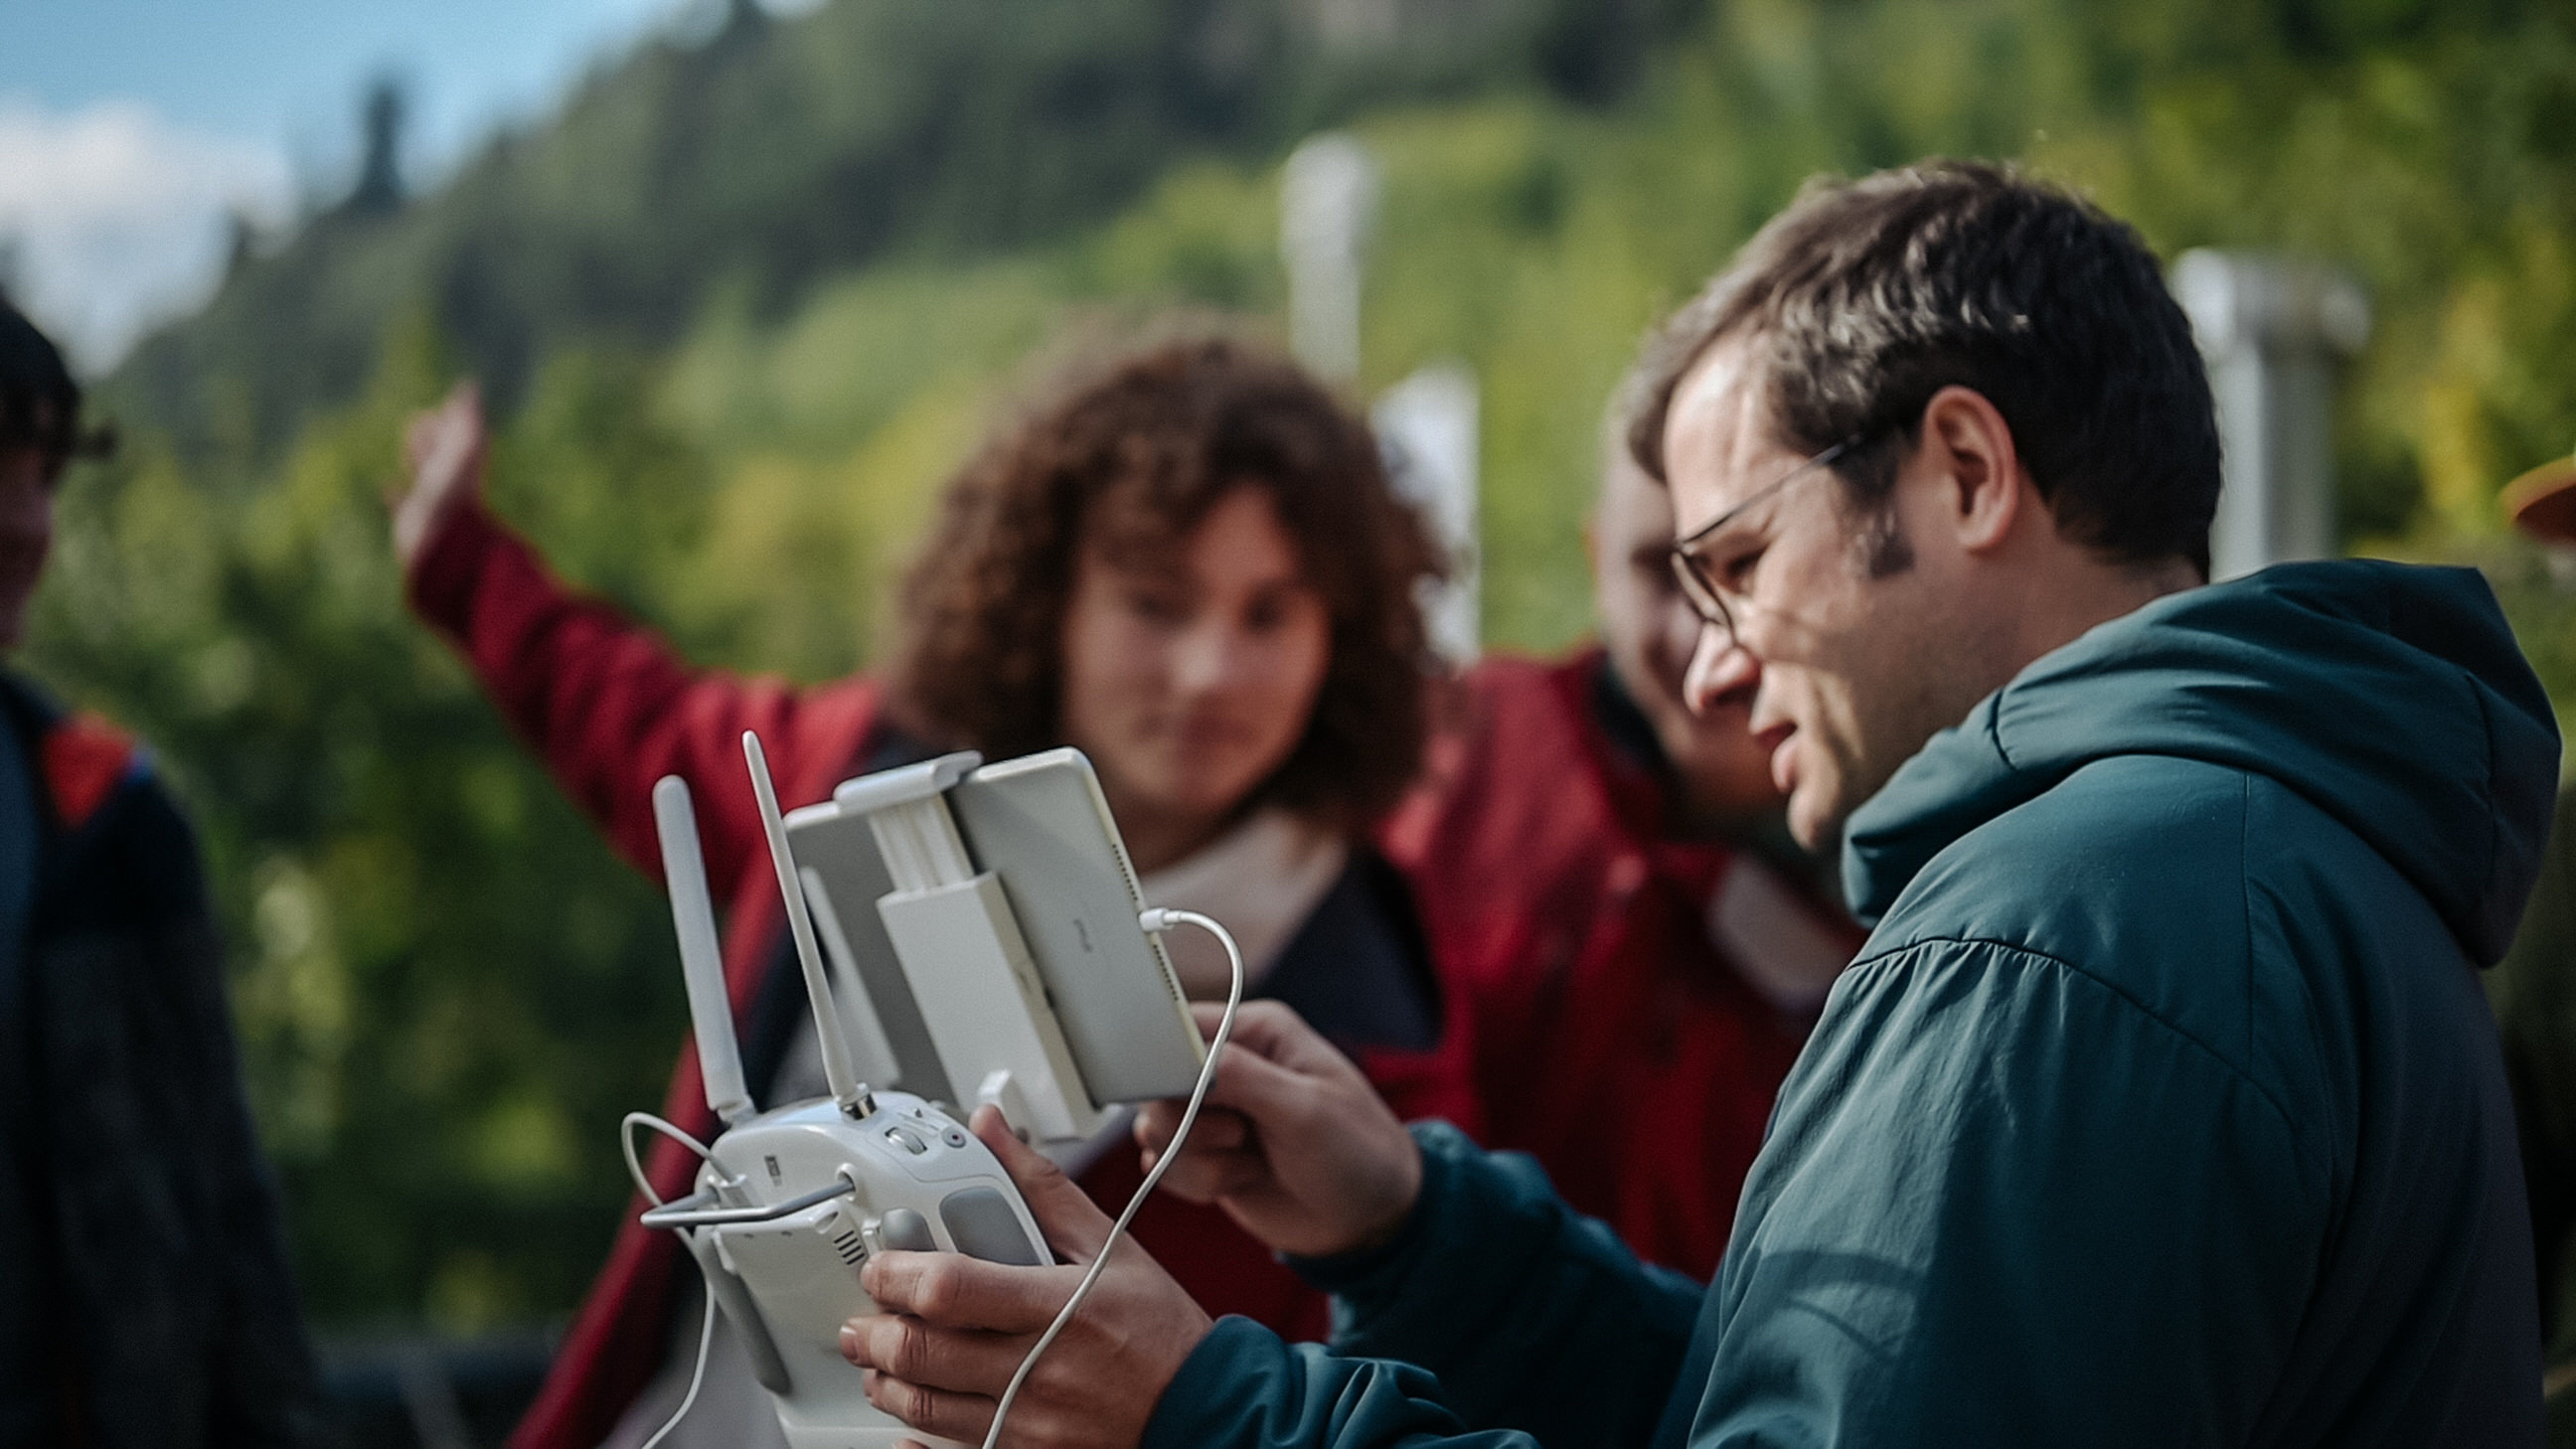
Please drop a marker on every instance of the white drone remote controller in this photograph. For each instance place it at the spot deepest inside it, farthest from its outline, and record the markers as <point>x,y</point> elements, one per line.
<point>791,1202</point>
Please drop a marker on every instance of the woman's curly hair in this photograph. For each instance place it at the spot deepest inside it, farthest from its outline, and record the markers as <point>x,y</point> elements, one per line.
<point>1143,449</point>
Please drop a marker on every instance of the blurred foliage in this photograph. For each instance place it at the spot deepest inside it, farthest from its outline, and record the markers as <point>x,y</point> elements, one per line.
<point>753,295</point>
<point>754,162</point>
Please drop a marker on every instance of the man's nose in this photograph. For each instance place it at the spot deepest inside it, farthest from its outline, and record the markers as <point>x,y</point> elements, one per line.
<point>1720,669</point>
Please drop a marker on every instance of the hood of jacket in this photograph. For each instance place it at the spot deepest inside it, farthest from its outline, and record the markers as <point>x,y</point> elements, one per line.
<point>2390,696</point>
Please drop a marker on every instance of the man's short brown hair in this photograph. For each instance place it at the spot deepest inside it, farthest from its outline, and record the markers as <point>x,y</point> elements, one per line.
<point>1865,298</point>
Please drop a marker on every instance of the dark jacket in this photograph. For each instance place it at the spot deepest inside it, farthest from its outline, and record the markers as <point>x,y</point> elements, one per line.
<point>2161,1108</point>
<point>160,1256</point>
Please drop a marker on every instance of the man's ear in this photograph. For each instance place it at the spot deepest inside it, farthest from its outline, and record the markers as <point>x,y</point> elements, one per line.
<point>1971,445</point>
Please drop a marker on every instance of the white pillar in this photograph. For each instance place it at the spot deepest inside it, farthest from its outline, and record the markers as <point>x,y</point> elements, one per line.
<point>1427,425</point>
<point>1327,207</point>
<point>2272,330</point>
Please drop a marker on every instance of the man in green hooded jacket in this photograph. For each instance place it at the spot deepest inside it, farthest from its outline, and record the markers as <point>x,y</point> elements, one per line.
<point>2162,1106</point>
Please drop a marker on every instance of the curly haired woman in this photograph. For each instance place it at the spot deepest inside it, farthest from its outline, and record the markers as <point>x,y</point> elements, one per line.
<point>1190,565</point>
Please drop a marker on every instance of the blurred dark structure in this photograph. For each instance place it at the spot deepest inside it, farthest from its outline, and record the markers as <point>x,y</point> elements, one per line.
<point>379,191</point>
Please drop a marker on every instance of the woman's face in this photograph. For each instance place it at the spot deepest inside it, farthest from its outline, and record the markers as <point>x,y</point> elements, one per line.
<point>1188,677</point>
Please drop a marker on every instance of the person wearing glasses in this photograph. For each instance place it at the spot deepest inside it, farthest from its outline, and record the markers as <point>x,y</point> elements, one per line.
<point>2162,1105</point>
<point>1630,947</point>
<point>145,1298</point>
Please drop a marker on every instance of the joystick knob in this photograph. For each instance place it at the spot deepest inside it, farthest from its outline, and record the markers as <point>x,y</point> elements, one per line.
<point>905,1231</point>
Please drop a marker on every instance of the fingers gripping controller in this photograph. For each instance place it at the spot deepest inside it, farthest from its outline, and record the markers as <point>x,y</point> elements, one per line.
<point>791,1202</point>
<point>818,1194</point>
<point>1154,922</point>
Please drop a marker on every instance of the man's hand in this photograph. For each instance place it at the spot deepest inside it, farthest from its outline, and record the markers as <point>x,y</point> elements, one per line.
<point>953,1329</point>
<point>1293,1143</point>
<point>445,449</point>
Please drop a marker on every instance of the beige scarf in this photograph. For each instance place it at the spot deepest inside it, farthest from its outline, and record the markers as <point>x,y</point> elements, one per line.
<point>1260,880</point>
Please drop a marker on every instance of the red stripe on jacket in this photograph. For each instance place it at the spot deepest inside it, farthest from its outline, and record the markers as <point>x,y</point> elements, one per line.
<point>84,759</point>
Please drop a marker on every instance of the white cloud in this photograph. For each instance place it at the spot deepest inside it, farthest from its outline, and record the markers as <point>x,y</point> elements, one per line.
<point>119,220</point>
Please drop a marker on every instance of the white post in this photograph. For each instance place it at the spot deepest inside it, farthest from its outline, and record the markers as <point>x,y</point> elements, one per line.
<point>1327,207</point>
<point>2272,330</point>
<point>1328,196</point>
<point>1426,425</point>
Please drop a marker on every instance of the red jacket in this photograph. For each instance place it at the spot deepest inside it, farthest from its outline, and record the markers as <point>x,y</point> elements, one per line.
<point>1591,1020</point>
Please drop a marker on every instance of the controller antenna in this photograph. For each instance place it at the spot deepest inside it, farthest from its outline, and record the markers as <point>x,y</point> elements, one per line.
<point>693,913</point>
<point>847,1089</point>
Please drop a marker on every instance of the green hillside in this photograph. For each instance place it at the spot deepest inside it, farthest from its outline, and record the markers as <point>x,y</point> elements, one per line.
<point>775,154</point>
<point>747,302</point>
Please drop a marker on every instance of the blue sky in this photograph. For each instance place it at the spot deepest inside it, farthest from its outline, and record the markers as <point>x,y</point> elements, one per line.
<point>130,128</point>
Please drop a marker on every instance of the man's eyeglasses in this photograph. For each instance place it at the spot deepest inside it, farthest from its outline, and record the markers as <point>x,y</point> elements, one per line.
<point>1699,581</point>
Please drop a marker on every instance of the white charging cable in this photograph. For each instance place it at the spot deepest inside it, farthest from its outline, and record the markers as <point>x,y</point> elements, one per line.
<point>644,1185</point>
<point>697,1376</point>
<point>635,1168</point>
<point>1155,922</point>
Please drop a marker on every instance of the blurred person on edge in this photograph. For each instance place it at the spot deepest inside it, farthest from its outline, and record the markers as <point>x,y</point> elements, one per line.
<point>2162,1105</point>
<point>2534,993</point>
<point>145,1301</point>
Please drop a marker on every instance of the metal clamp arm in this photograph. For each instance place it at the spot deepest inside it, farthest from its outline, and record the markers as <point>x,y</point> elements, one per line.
<point>687,1212</point>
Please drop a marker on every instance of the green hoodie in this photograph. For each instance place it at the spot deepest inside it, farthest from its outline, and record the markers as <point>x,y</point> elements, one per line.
<point>2161,1108</point>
